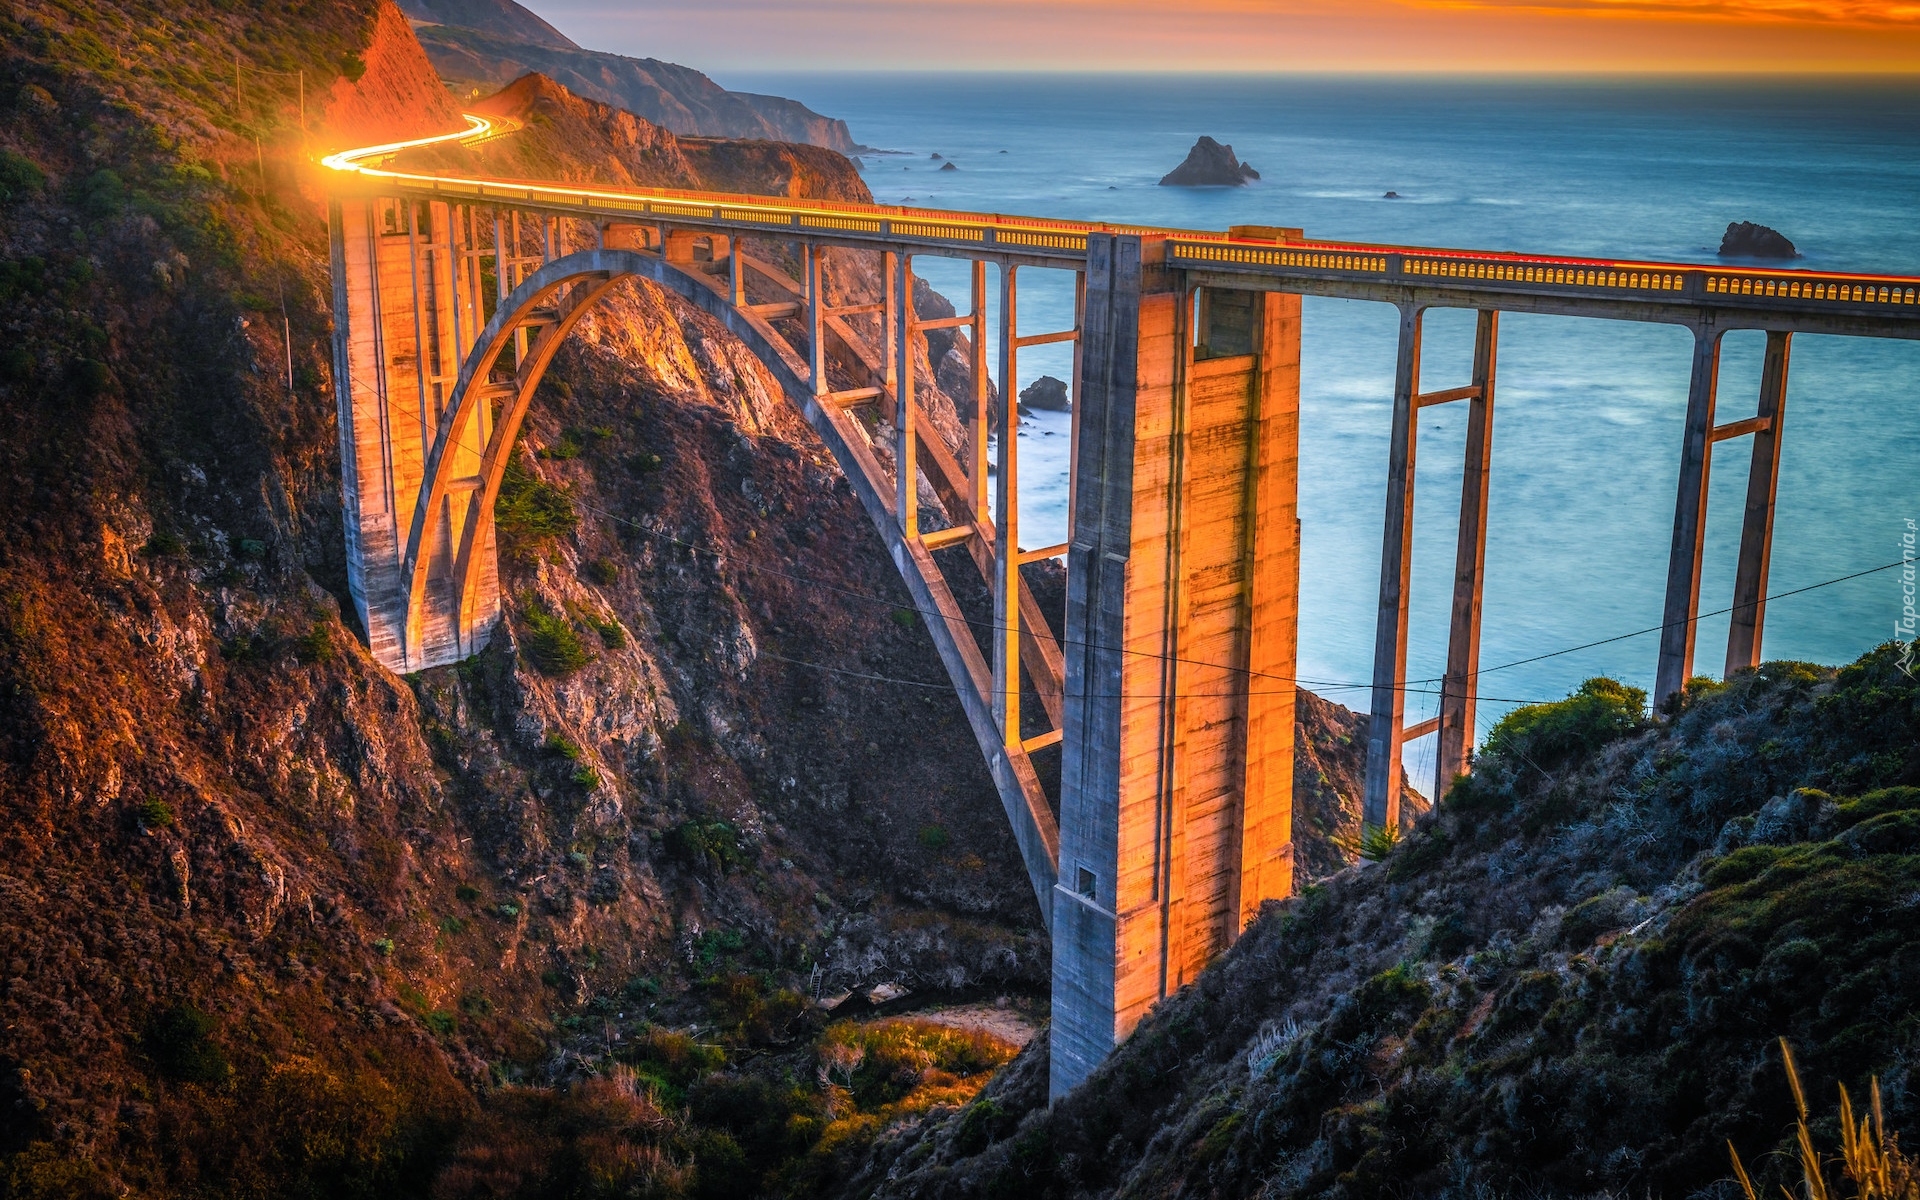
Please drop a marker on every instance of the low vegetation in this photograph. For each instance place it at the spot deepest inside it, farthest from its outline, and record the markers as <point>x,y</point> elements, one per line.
<point>1568,980</point>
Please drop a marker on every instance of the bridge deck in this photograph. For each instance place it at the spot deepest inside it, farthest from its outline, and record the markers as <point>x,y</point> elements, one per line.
<point>1727,297</point>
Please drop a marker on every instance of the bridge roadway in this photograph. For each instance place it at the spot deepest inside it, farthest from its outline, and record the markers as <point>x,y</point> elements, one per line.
<point>1170,695</point>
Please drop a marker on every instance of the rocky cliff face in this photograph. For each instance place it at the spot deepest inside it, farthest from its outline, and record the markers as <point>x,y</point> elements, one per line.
<point>279,922</point>
<point>480,47</point>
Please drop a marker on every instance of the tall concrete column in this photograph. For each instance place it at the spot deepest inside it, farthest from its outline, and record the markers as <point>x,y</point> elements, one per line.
<point>1756,528</point>
<point>1183,576</point>
<point>1384,731</point>
<point>1679,623</point>
<point>397,347</point>
<point>1462,683</point>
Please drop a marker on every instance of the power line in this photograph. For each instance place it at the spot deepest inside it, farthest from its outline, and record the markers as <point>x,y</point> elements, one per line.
<point>1688,621</point>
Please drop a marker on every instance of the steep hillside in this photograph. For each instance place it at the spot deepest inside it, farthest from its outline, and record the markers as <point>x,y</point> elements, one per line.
<point>482,45</point>
<point>278,922</point>
<point>502,18</point>
<point>1568,981</point>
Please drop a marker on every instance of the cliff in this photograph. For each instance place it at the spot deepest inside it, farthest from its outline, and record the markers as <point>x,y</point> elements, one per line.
<point>278,922</point>
<point>480,47</point>
<point>1569,980</point>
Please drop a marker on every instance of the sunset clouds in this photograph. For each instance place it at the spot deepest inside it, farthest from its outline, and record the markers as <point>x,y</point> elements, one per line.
<point>1508,36</point>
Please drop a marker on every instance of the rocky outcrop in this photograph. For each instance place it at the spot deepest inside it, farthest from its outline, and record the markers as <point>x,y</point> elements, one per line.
<point>1744,239</point>
<point>677,98</point>
<point>1210,164</point>
<point>1046,394</point>
<point>396,94</point>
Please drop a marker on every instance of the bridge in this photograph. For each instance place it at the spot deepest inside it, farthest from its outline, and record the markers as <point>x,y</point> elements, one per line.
<point>1170,691</point>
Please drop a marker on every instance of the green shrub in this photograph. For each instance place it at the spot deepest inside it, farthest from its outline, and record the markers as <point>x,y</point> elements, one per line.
<point>314,646</point>
<point>154,814</point>
<point>934,837</point>
<point>705,843</point>
<point>586,777</point>
<point>383,947</point>
<point>1743,864</point>
<point>1546,735</point>
<point>564,746</point>
<point>353,67</point>
<point>552,645</point>
<point>530,512</point>
<point>715,945</point>
<point>604,572</point>
<point>19,176</point>
<point>104,193</point>
<point>165,544</point>
<point>466,893</point>
<point>179,1041</point>
<point>91,377</point>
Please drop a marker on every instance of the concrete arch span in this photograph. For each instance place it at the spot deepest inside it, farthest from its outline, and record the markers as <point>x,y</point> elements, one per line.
<point>452,522</point>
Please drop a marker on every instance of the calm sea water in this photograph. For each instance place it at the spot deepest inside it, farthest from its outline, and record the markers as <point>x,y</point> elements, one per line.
<point>1587,432</point>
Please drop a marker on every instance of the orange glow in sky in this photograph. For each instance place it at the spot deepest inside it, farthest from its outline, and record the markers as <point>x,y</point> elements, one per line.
<point>1507,36</point>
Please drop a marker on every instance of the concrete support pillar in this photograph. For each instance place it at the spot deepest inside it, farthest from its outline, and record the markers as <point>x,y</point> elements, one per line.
<point>398,332</point>
<point>1679,623</point>
<point>1756,530</point>
<point>906,473</point>
<point>1384,736</point>
<point>1006,522</point>
<point>1183,577</point>
<point>1461,683</point>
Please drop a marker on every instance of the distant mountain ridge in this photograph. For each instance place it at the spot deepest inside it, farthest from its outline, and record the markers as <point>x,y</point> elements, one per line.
<point>503,18</point>
<point>490,43</point>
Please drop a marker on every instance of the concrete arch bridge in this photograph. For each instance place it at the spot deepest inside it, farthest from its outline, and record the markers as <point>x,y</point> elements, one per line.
<point>1169,692</point>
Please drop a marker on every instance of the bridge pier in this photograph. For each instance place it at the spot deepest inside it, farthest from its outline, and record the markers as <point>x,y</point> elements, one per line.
<point>407,306</point>
<point>1183,583</point>
<point>1756,529</point>
<point>1387,731</point>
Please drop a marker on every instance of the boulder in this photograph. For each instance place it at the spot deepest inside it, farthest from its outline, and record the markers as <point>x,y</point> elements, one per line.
<point>949,167</point>
<point>1210,164</point>
<point>1744,239</point>
<point>1046,394</point>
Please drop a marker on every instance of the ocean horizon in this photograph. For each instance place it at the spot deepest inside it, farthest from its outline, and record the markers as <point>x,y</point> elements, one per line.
<point>1588,415</point>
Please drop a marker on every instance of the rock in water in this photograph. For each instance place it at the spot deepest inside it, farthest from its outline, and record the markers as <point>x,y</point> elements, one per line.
<point>1209,164</point>
<point>949,167</point>
<point>1046,393</point>
<point>1744,239</point>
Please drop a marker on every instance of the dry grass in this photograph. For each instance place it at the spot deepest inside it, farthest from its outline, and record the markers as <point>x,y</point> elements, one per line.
<point>1870,1160</point>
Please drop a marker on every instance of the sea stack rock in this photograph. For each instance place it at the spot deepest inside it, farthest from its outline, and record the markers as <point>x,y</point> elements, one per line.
<point>1744,239</point>
<point>1047,394</point>
<point>1209,164</point>
<point>949,167</point>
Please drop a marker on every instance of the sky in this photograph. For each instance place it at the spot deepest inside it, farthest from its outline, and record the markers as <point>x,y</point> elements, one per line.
<point>1442,36</point>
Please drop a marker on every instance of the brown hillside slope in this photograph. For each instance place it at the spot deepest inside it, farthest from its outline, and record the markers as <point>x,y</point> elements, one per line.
<point>277,922</point>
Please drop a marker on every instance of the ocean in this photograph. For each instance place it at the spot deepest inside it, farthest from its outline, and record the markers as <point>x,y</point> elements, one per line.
<point>1588,417</point>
